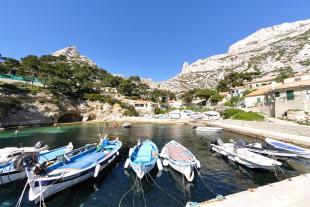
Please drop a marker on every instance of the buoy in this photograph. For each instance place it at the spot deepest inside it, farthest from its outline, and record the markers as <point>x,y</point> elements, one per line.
<point>97,170</point>
<point>165,163</point>
<point>198,164</point>
<point>159,165</point>
<point>127,163</point>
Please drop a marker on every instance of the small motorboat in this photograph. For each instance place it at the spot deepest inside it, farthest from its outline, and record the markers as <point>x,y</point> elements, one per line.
<point>10,153</point>
<point>208,129</point>
<point>180,159</point>
<point>266,151</point>
<point>143,157</point>
<point>238,153</point>
<point>126,125</point>
<point>301,152</point>
<point>14,169</point>
<point>75,167</point>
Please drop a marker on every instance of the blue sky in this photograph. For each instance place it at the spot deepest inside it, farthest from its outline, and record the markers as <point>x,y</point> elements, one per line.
<point>149,38</point>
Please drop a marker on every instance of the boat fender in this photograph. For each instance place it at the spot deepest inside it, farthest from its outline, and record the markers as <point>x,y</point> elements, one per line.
<point>190,176</point>
<point>127,163</point>
<point>159,165</point>
<point>198,164</point>
<point>97,170</point>
<point>165,163</point>
<point>70,145</point>
<point>130,152</point>
<point>117,153</point>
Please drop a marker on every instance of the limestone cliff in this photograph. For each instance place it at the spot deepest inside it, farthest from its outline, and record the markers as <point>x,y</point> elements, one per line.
<point>267,50</point>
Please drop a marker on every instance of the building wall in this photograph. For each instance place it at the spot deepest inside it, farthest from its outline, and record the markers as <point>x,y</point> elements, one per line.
<point>283,106</point>
<point>253,100</point>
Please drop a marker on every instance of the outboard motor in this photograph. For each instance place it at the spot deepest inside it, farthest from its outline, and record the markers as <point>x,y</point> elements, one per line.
<point>26,160</point>
<point>219,142</point>
<point>38,145</point>
<point>239,144</point>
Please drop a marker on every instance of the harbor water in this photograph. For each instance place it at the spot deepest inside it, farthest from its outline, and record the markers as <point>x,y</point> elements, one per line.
<point>116,187</point>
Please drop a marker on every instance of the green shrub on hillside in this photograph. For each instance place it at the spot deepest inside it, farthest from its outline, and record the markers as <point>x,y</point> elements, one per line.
<point>130,111</point>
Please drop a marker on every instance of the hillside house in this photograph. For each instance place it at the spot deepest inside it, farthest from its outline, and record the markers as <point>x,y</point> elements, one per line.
<point>278,98</point>
<point>175,104</point>
<point>237,91</point>
<point>258,83</point>
<point>143,106</point>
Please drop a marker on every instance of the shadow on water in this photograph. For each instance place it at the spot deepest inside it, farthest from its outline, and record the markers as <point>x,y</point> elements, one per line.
<point>170,189</point>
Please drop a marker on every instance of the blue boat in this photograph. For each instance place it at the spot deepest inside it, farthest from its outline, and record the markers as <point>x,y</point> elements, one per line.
<point>299,151</point>
<point>143,157</point>
<point>75,167</point>
<point>14,169</point>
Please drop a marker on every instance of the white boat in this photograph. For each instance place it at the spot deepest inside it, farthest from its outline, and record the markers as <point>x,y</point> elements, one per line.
<point>268,152</point>
<point>10,153</point>
<point>175,114</point>
<point>76,166</point>
<point>301,152</point>
<point>243,156</point>
<point>196,115</point>
<point>208,129</point>
<point>126,125</point>
<point>143,157</point>
<point>212,115</point>
<point>180,159</point>
<point>15,169</point>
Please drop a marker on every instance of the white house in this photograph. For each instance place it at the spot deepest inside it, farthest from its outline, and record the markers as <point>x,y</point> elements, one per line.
<point>278,98</point>
<point>143,106</point>
<point>175,104</point>
<point>237,91</point>
<point>258,83</point>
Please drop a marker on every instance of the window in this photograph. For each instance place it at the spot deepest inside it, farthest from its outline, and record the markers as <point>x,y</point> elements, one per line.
<point>290,95</point>
<point>297,79</point>
<point>277,94</point>
<point>259,100</point>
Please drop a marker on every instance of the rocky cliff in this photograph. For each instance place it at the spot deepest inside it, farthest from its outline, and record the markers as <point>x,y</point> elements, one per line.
<point>267,51</point>
<point>72,54</point>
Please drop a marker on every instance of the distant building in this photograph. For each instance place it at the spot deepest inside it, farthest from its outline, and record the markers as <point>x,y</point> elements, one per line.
<point>237,91</point>
<point>143,106</point>
<point>175,104</point>
<point>256,97</point>
<point>258,83</point>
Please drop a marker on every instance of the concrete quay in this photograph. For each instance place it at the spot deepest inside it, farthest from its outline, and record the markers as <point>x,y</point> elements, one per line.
<point>292,192</point>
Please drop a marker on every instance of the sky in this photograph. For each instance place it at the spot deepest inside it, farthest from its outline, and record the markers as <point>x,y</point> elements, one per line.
<point>149,38</point>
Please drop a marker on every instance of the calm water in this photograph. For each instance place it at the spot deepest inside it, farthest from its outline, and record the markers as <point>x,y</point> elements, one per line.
<point>169,189</point>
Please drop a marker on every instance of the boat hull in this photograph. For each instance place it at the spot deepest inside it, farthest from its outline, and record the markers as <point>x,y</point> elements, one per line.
<point>12,176</point>
<point>50,187</point>
<point>187,168</point>
<point>245,157</point>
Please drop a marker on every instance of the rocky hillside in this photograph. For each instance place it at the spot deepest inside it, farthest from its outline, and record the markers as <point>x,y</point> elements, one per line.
<point>267,50</point>
<point>73,55</point>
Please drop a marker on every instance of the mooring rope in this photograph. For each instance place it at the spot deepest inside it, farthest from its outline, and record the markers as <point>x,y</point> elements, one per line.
<point>120,202</point>
<point>165,191</point>
<point>172,192</point>
<point>219,196</point>
<point>142,193</point>
<point>21,196</point>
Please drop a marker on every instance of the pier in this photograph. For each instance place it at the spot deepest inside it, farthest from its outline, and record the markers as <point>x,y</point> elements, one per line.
<point>292,192</point>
